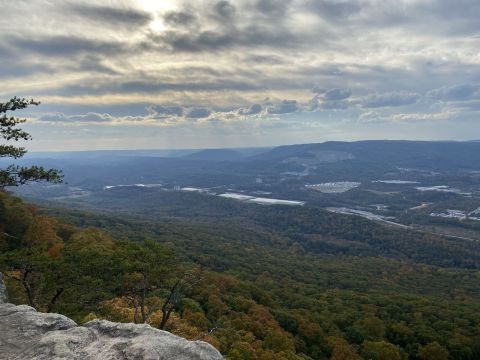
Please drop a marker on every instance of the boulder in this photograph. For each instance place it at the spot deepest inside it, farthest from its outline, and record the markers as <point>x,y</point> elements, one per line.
<point>27,334</point>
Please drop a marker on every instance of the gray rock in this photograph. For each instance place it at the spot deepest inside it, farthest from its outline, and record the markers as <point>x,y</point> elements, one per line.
<point>27,334</point>
<point>3,291</point>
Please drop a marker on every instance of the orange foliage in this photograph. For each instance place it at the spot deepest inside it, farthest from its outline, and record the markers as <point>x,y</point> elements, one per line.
<point>43,232</point>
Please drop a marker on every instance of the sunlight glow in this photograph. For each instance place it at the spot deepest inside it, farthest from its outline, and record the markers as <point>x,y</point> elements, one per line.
<point>157,7</point>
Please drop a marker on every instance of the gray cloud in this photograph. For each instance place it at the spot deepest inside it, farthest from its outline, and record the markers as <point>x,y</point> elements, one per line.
<point>283,107</point>
<point>147,86</point>
<point>198,113</point>
<point>90,117</point>
<point>334,10</point>
<point>394,98</point>
<point>337,94</point>
<point>257,35</point>
<point>252,110</point>
<point>163,111</point>
<point>19,69</point>
<point>65,45</point>
<point>111,15</point>
<point>250,30</point>
<point>329,99</point>
<point>455,92</point>
<point>223,55</point>
<point>179,18</point>
<point>224,10</point>
<point>335,105</point>
<point>273,8</point>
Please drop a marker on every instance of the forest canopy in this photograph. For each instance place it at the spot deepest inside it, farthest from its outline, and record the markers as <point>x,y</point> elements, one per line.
<point>248,299</point>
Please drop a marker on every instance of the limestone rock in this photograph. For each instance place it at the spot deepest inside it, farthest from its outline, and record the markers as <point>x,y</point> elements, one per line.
<point>26,334</point>
<point>3,291</point>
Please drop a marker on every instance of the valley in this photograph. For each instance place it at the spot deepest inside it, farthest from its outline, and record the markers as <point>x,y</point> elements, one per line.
<point>325,257</point>
<point>402,186</point>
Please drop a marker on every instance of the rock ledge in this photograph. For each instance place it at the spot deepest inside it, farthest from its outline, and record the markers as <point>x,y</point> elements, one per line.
<point>27,334</point>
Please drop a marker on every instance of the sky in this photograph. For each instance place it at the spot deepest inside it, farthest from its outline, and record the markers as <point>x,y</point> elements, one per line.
<point>146,74</point>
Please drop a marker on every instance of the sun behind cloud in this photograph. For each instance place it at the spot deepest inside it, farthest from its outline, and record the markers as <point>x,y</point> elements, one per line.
<point>290,71</point>
<point>156,9</point>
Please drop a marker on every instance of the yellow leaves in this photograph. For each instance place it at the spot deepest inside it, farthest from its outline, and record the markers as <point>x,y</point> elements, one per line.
<point>433,351</point>
<point>380,350</point>
<point>181,327</point>
<point>43,232</point>
<point>278,340</point>
<point>55,249</point>
<point>341,349</point>
<point>119,309</point>
<point>310,331</point>
<point>216,307</point>
<point>93,239</point>
<point>89,317</point>
<point>242,351</point>
<point>197,319</point>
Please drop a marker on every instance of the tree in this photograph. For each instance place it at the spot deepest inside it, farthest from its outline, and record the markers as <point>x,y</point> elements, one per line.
<point>176,292</point>
<point>14,175</point>
<point>433,351</point>
<point>342,350</point>
<point>39,273</point>
<point>380,350</point>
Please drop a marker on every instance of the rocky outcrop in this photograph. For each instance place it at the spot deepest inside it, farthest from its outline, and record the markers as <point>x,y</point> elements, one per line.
<point>27,334</point>
<point>3,291</point>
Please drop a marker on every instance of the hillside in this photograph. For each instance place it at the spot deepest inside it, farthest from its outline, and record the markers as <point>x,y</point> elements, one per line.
<point>430,187</point>
<point>266,294</point>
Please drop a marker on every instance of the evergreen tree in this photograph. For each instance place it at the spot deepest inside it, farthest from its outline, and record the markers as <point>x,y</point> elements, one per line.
<point>14,175</point>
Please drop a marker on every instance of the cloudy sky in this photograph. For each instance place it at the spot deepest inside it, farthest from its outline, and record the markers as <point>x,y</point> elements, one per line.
<point>125,74</point>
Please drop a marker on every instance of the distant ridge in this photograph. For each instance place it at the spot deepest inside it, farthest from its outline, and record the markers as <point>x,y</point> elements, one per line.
<point>214,155</point>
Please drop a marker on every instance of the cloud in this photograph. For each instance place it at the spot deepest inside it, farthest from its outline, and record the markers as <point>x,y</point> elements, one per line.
<point>334,10</point>
<point>377,116</point>
<point>470,105</point>
<point>90,117</point>
<point>224,10</point>
<point>252,110</point>
<point>19,69</point>
<point>337,94</point>
<point>394,98</point>
<point>213,26</point>
<point>272,8</point>
<point>283,107</point>
<point>165,111</point>
<point>111,15</point>
<point>329,99</point>
<point>455,92</point>
<point>255,35</point>
<point>63,45</point>
<point>198,113</point>
<point>222,56</point>
<point>421,116</point>
<point>335,105</point>
<point>179,18</point>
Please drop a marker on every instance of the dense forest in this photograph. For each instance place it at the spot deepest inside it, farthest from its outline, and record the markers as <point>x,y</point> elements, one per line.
<point>248,289</point>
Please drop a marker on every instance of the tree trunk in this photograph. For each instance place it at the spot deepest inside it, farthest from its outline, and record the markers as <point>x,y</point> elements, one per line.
<point>136,320</point>
<point>54,300</point>
<point>29,289</point>
<point>165,317</point>
<point>142,302</point>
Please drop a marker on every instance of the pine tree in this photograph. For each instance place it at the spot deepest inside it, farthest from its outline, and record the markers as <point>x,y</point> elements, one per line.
<point>14,175</point>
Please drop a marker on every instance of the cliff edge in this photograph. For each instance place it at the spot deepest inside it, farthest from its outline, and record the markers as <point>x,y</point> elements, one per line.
<point>27,334</point>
